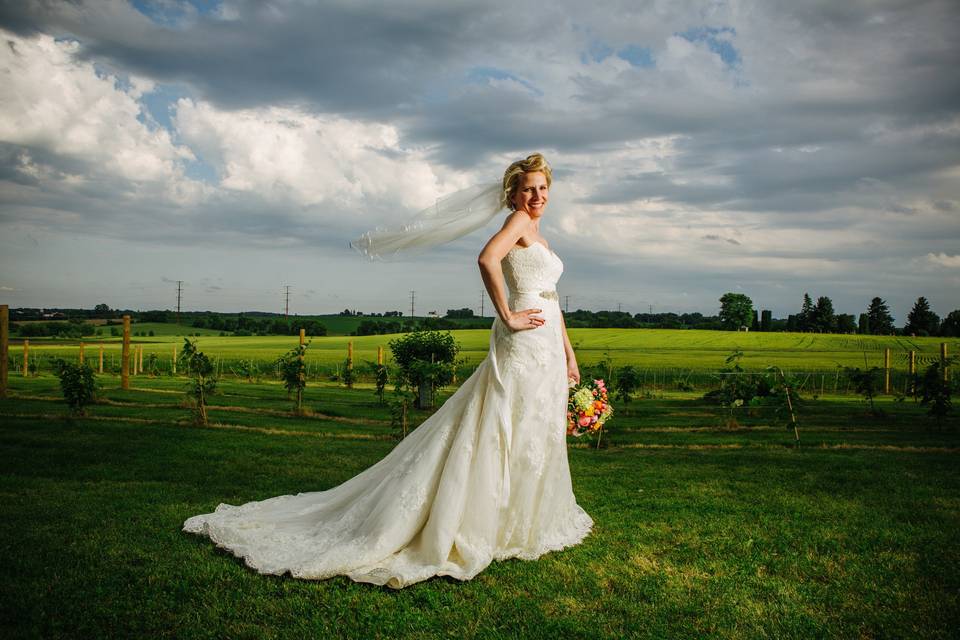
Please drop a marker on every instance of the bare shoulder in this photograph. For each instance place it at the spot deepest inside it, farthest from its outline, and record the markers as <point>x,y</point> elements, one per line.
<point>518,220</point>
<point>514,227</point>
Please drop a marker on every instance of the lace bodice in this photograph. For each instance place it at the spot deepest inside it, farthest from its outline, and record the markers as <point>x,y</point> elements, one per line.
<point>531,269</point>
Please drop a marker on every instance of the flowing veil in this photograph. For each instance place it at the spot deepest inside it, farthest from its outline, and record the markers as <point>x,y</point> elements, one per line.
<point>451,217</point>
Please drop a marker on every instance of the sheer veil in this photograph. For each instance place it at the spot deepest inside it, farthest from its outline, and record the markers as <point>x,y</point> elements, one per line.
<point>452,217</point>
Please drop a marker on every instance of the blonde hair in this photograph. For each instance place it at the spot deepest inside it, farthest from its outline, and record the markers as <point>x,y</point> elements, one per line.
<point>511,177</point>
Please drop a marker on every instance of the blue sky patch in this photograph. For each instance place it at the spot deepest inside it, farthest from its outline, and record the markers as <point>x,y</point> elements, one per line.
<point>201,171</point>
<point>597,52</point>
<point>169,14</point>
<point>637,56</point>
<point>159,103</point>
<point>714,38</point>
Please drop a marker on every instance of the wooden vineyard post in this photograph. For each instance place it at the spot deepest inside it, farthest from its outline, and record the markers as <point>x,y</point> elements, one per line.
<point>140,358</point>
<point>81,354</point>
<point>125,355</point>
<point>379,355</point>
<point>303,338</point>
<point>913,374</point>
<point>350,363</point>
<point>101,358</point>
<point>886,371</point>
<point>26,357</point>
<point>943,362</point>
<point>4,347</point>
<point>173,363</point>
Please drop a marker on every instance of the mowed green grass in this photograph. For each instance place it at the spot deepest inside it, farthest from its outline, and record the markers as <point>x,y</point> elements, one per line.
<point>701,529</point>
<point>694,350</point>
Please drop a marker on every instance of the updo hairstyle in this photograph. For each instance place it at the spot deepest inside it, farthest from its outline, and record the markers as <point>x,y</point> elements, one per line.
<point>511,177</point>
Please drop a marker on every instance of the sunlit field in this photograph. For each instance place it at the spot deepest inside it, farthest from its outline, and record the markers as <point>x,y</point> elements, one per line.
<point>667,349</point>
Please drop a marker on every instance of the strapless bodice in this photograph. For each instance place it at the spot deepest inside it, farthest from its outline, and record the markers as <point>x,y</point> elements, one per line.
<point>531,269</point>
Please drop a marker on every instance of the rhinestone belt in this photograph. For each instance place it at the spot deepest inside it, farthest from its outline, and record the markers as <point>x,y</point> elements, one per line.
<point>549,295</point>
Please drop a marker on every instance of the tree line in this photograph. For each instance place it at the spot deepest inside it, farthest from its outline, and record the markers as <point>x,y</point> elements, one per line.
<point>737,312</point>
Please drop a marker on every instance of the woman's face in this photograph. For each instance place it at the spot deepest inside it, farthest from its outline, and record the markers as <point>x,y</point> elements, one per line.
<point>532,193</point>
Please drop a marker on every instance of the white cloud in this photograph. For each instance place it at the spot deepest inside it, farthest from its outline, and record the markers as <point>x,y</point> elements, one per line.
<point>57,103</point>
<point>285,153</point>
<point>944,260</point>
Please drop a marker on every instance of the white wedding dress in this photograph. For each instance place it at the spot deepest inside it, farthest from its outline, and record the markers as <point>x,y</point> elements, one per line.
<point>484,478</point>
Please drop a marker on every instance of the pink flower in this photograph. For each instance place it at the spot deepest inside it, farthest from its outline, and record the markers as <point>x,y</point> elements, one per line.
<point>585,421</point>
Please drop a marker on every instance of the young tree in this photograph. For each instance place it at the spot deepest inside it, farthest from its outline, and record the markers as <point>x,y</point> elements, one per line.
<point>822,319</point>
<point>78,384</point>
<point>293,372</point>
<point>203,381</point>
<point>921,320</point>
<point>878,313</point>
<point>426,361</point>
<point>626,382</point>
<point>736,310</point>
<point>805,317</point>
<point>935,390</point>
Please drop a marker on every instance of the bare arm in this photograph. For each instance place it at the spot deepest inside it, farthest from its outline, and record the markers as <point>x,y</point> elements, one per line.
<point>573,371</point>
<point>516,225</point>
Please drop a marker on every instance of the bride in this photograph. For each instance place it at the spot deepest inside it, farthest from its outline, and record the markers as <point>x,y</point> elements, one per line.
<point>485,477</point>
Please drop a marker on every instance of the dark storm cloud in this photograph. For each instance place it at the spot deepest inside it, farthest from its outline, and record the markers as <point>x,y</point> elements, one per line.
<point>342,57</point>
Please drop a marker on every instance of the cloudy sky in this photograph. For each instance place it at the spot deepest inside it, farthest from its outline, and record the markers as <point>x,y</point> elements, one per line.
<point>769,148</point>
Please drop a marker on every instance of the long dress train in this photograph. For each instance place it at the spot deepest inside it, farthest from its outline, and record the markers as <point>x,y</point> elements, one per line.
<point>484,478</point>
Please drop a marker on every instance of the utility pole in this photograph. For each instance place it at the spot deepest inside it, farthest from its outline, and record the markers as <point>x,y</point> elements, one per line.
<point>413,295</point>
<point>566,304</point>
<point>651,309</point>
<point>286,308</point>
<point>179,290</point>
<point>481,303</point>
<point>618,307</point>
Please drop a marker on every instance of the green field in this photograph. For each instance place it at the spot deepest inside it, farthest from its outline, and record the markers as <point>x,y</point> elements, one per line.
<point>701,529</point>
<point>665,355</point>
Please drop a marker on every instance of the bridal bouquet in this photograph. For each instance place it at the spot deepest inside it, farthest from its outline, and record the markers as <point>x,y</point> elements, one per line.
<point>588,408</point>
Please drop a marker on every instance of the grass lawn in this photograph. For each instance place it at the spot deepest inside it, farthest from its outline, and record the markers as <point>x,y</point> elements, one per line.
<point>700,529</point>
